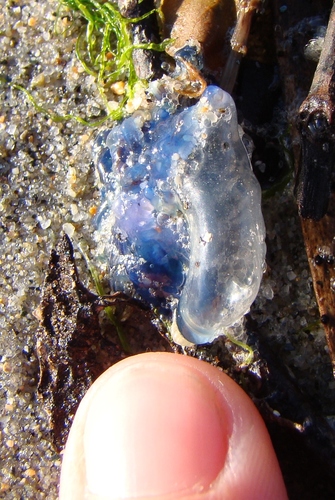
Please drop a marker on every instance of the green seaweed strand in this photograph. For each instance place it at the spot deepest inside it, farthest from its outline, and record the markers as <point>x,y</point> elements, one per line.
<point>250,356</point>
<point>115,114</point>
<point>109,310</point>
<point>104,47</point>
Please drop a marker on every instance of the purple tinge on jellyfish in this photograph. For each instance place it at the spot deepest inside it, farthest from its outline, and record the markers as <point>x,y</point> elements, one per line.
<point>181,209</point>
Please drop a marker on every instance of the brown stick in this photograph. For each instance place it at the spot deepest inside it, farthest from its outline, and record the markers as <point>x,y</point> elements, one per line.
<point>316,124</point>
<point>319,242</point>
<point>238,43</point>
<point>316,202</point>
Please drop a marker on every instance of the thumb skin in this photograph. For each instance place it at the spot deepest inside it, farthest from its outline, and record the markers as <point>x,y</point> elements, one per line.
<point>167,426</point>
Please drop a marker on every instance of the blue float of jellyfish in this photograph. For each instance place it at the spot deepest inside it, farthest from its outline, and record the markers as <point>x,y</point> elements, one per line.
<point>182,211</point>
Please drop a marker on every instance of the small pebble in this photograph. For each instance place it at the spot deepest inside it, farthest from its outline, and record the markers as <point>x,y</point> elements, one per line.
<point>32,21</point>
<point>7,367</point>
<point>30,472</point>
<point>69,229</point>
<point>118,88</point>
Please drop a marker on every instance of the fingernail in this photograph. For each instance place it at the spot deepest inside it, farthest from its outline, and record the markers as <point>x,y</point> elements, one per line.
<point>158,427</point>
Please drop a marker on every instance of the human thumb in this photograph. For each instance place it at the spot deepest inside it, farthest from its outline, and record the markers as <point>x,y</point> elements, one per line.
<point>167,426</point>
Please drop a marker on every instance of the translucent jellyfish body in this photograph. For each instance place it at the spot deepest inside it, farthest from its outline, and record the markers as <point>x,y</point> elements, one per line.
<point>181,213</point>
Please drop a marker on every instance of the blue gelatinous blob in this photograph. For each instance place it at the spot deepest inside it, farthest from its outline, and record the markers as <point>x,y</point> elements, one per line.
<point>183,210</point>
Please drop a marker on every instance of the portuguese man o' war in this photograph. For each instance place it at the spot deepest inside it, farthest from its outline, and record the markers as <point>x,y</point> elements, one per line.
<point>181,211</point>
